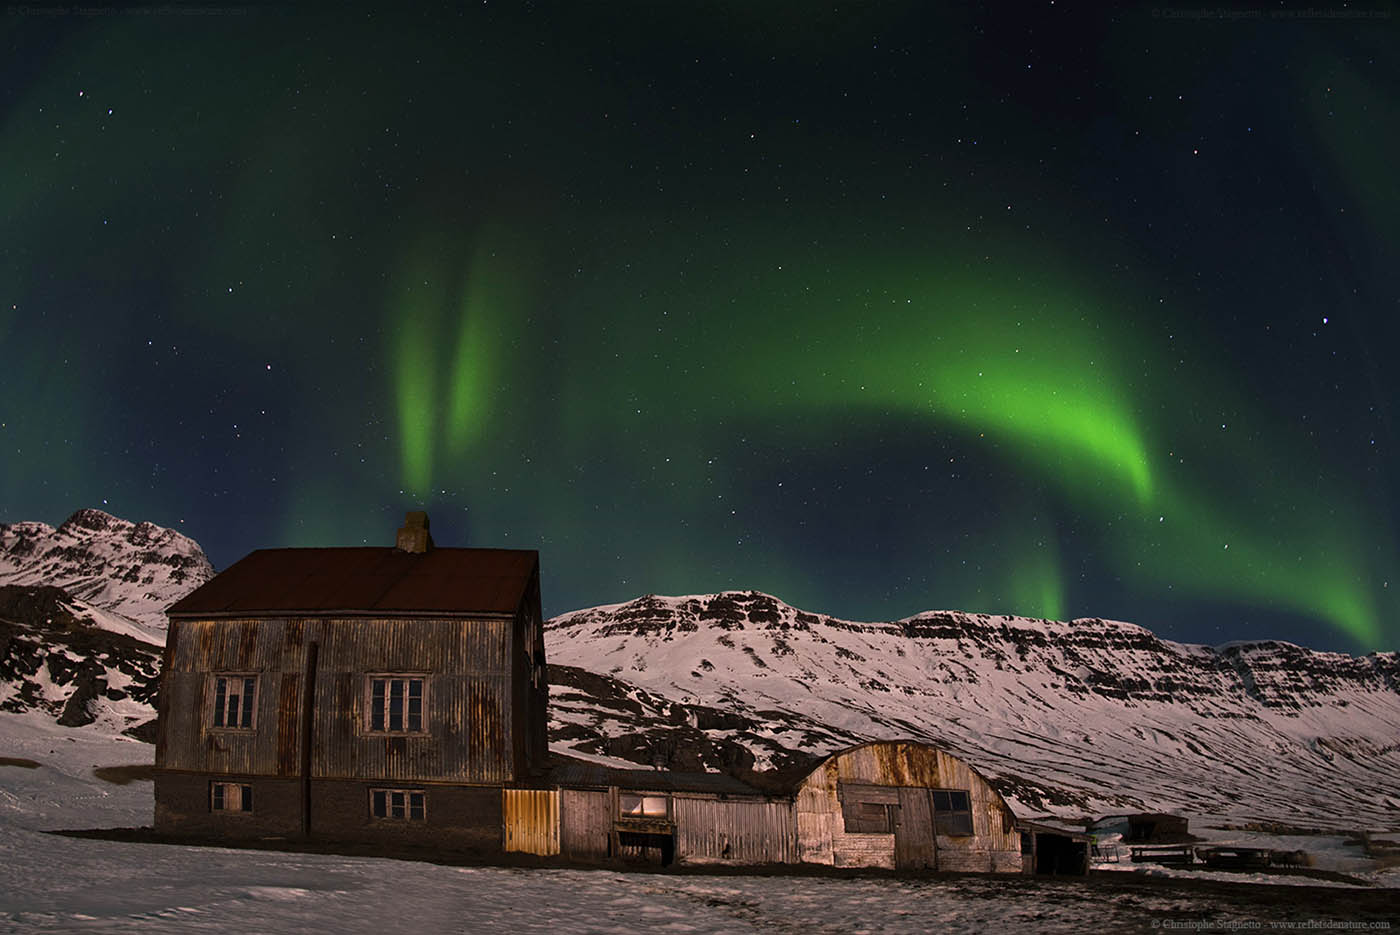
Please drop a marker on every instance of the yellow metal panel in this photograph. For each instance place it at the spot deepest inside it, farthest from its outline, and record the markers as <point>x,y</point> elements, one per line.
<point>531,819</point>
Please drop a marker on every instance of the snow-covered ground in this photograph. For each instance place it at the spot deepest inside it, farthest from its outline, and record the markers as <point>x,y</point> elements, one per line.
<point>52,883</point>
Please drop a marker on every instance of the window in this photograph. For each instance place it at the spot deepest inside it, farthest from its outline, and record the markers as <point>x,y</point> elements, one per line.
<point>636,805</point>
<point>230,797</point>
<point>868,809</point>
<point>870,817</point>
<point>398,804</point>
<point>234,697</point>
<point>952,812</point>
<point>397,704</point>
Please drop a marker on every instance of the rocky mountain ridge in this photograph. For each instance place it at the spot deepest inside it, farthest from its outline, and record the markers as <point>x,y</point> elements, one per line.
<point>135,570</point>
<point>1086,717</point>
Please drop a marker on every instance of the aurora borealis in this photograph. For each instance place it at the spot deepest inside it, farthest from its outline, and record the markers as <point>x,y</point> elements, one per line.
<point>875,309</point>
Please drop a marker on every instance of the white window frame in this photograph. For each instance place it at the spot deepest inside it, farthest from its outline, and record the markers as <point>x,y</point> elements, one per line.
<point>229,798</point>
<point>406,714</point>
<point>218,701</point>
<point>405,804</point>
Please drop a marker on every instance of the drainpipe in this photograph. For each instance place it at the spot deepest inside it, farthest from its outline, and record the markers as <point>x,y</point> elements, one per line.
<point>308,697</point>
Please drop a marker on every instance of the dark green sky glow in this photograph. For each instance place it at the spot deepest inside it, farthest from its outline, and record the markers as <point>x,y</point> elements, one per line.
<point>1060,314</point>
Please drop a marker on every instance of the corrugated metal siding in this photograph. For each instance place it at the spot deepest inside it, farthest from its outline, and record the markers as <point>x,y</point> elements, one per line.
<point>465,664</point>
<point>531,820</point>
<point>585,821</point>
<point>746,832</point>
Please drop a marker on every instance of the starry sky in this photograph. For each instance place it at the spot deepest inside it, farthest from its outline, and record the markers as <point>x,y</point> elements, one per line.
<point>1051,312</point>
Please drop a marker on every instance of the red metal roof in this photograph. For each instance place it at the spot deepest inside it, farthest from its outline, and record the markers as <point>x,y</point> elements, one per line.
<point>366,580</point>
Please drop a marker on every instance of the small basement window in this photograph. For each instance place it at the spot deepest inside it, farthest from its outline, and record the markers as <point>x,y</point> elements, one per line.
<point>230,797</point>
<point>397,704</point>
<point>952,812</point>
<point>636,805</point>
<point>398,804</point>
<point>234,697</point>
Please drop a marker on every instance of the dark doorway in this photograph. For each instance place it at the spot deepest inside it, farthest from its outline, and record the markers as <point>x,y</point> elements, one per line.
<point>646,848</point>
<point>1057,854</point>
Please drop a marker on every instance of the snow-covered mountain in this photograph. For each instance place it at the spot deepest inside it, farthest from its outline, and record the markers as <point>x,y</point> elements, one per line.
<point>1090,716</point>
<point>134,570</point>
<point>1086,717</point>
<point>82,616</point>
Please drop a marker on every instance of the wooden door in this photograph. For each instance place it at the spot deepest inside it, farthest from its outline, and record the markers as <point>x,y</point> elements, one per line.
<point>914,847</point>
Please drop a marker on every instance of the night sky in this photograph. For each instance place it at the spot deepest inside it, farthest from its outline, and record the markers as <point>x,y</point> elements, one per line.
<point>1047,312</point>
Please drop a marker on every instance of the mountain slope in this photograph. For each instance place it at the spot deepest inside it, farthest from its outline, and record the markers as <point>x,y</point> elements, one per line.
<point>1091,715</point>
<point>55,658</point>
<point>135,570</point>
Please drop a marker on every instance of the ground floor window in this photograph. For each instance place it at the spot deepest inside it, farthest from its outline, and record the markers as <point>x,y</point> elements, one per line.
<point>402,804</point>
<point>230,797</point>
<point>870,817</point>
<point>641,805</point>
<point>952,811</point>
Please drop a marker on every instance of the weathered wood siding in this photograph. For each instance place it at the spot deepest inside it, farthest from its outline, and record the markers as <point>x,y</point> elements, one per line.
<point>531,820</point>
<point>585,822</point>
<point>994,844</point>
<point>741,831</point>
<point>530,692</point>
<point>465,664</point>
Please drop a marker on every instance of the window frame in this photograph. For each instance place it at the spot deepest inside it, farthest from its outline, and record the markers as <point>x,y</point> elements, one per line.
<point>408,795</point>
<point>219,798</point>
<point>869,817</point>
<point>947,822</point>
<point>368,700</point>
<point>218,702</point>
<point>642,800</point>
<point>868,808</point>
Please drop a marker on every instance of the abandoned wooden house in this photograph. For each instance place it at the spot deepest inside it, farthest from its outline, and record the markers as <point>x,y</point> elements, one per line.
<point>358,693</point>
<point>399,695</point>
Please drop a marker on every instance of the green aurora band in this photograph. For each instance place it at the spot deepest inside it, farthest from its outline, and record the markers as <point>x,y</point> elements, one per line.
<point>1021,368</point>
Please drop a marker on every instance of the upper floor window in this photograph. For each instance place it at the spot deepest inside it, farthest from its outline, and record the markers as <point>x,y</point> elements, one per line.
<point>234,697</point>
<point>397,704</point>
<point>952,811</point>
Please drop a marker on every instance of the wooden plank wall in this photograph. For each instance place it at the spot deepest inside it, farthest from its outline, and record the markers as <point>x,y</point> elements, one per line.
<point>531,820</point>
<point>821,836</point>
<point>469,711</point>
<point>742,831</point>
<point>585,822</point>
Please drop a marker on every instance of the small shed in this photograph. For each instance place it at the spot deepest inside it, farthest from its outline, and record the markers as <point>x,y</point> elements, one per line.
<point>904,805</point>
<point>1158,828</point>
<point>597,813</point>
<point>1049,848</point>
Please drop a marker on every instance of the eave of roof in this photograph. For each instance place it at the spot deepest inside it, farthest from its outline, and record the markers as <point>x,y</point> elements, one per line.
<point>366,582</point>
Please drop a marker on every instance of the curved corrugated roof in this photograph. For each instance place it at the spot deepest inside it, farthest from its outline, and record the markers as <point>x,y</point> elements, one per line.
<point>365,581</point>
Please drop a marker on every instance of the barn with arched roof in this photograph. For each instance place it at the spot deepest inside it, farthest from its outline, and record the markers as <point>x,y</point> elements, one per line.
<point>905,805</point>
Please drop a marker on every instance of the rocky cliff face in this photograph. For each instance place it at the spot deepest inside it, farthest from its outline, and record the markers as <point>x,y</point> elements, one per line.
<point>56,659</point>
<point>1086,716</point>
<point>135,570</point>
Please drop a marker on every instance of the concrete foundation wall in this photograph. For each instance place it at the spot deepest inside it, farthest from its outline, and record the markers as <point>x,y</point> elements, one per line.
<point>460,817</point>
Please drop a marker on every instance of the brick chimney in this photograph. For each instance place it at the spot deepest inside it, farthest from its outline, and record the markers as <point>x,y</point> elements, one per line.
<point>414,536</point>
